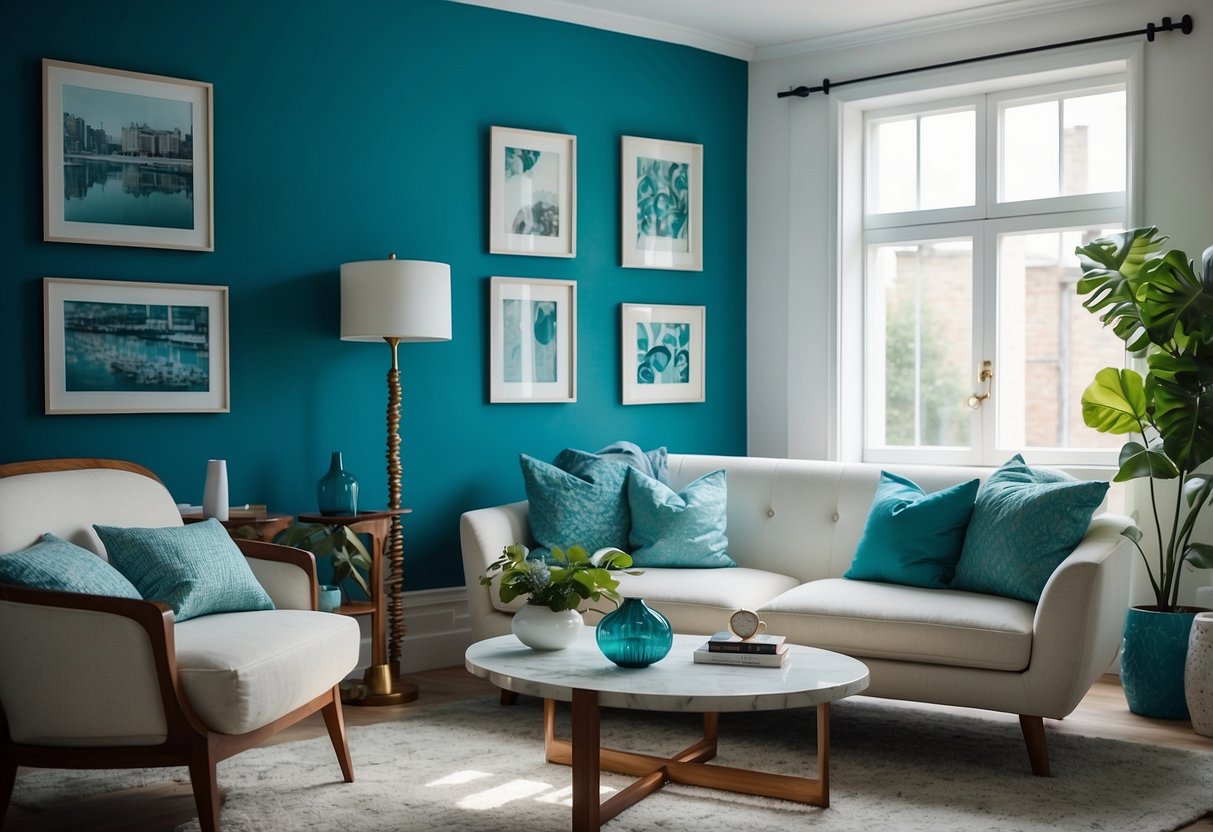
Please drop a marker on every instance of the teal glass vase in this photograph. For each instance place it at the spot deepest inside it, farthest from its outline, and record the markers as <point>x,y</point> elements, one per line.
<point>634,634</point>
<point>337,491</point>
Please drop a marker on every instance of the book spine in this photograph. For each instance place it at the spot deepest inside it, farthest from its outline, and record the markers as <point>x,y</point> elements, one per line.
<point>744,659</point>
<point>738,647</point>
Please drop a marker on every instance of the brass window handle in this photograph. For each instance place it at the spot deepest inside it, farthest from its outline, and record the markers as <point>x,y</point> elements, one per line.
<point>986,377</point>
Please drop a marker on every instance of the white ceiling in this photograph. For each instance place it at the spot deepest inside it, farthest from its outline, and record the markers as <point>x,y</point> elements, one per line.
<point>756,29</point>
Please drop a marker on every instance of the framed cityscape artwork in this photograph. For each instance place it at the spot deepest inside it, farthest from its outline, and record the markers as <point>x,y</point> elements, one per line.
<point>662,204</point>
<point>126,158</point>
<point>663,353</point>
<point>533,340</point>
<point>114,346</point>
<point>532,193</point>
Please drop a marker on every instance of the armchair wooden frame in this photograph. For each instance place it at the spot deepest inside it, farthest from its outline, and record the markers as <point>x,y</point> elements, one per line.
<point>188,741</point>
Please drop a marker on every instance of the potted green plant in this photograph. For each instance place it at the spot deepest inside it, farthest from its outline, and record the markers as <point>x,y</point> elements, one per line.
<point>348,554</point>
<point>549,619</point>
<point>1161,305</point>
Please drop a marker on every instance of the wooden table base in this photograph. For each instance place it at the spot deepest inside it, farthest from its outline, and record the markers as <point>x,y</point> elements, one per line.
<point>584,752</point>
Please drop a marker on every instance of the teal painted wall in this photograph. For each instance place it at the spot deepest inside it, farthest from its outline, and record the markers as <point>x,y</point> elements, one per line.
<point>343,131</point>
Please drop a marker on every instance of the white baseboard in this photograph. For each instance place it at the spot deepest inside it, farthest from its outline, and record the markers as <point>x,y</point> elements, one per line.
<point>436,631</point>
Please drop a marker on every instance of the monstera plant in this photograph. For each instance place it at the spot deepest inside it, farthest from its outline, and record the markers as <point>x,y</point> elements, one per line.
<point>1161,305</point>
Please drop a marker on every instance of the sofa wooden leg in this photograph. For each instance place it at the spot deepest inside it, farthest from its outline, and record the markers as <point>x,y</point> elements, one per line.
<point>508,697</point>
<point>1033,728</point>
<point>334,719</point>
<point>204,779</point>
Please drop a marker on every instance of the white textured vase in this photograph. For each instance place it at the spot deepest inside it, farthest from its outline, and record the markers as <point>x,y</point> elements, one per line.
<point>214,495</point>
<point>1198,674</point>
<point>541,629</point>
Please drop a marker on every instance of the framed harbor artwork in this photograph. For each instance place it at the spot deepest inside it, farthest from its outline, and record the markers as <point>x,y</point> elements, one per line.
<point>662,199</point>
<point>663,353</point>
<point>532,193</point>
<point>127,158</point>
<point>114,346</point>
<point>532,340</point>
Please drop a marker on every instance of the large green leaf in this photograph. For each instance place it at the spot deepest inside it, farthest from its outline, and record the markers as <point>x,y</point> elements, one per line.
<point>1109,267</point>
<point>1200,555</point>
<point>1183,414</point>
<point>1136,460</point>
<point>1115,402</point>
<point>1171,295</point>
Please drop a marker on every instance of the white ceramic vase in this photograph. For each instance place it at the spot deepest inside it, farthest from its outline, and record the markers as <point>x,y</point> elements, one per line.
<point>1198,674</point>
<point>541,629</point>
<point>214,494</point>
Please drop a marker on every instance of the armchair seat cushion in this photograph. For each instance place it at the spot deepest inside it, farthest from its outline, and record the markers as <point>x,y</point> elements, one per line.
<point>241,671</point>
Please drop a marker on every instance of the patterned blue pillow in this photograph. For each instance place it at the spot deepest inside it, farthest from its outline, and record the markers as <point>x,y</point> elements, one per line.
<point>567,510</point>
<point>654,463</point>
<point>679,530</point>
<point>912,537</point>
<point>195,569</point>
<point>1025,523</point>
<point>54,563</point>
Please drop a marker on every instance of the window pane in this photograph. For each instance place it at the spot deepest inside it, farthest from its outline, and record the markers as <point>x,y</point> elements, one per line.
<point>949,160</point>
<point>1050,347</point>
<point>1029,166</point>
<point>921,354</point>
<point>1094,141</point>
<point>892,165</point>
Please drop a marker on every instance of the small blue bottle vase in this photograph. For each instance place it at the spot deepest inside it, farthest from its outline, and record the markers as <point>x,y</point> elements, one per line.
<point>634,634</point>
<point>337,491</point>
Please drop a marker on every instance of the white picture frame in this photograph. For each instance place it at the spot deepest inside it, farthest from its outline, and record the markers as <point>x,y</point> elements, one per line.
<point>661,202</point>
<point>532,340</point>
<point>127,158</point>
<point>532,193</point>
<point>116,346</point>
<point>663,353</point>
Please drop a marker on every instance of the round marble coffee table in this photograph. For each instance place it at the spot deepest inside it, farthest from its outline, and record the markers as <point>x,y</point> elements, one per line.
<point>583,676</point>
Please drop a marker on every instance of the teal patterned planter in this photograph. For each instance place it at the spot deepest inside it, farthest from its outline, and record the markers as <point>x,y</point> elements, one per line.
<point>1152,663</point>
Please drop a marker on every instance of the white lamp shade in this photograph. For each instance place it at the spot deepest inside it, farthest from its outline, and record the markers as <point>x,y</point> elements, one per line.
<point>405,299</point>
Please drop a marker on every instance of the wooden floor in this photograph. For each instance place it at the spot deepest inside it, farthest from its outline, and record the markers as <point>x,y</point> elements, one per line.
<point>1102,713</point>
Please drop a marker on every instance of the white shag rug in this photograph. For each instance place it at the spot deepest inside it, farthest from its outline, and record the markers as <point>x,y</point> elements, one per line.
<point>477,765</point>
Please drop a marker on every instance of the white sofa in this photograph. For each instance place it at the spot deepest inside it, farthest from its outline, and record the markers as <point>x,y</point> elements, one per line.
<point>92,681</point>
<point>793,527</point>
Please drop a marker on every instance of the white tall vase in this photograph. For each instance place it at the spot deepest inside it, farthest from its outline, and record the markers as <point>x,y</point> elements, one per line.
<point>1198,674</point>
<point>214,495</point>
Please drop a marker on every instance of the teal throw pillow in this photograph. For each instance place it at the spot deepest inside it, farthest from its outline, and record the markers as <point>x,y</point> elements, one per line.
<point>568,510</point>
<point>196,569</point>
<point>54,563</point>
<point>912,537</point>
<point>1025,523</point>
<point>684,529</point>
<point>654,463</point>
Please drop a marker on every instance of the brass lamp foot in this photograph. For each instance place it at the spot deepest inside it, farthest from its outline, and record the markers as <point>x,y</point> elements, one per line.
<point>380,686</point>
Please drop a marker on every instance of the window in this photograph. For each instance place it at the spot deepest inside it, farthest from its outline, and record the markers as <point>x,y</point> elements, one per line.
<point>975,343</point>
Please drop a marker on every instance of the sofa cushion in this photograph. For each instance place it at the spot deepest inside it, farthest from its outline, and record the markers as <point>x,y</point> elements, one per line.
<point>567,510</point>
<point>243,670</point>
<point>886,621</point>
<point>1025,523</point>
<point>684,529</point>
<point>701,600</point>
<point>54,563</point>
<point>654,463</point>
<point>912,537</point>
<point>195,569</point>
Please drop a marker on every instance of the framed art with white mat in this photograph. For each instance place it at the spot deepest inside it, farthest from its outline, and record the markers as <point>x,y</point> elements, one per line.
<point>532,340</point>
<point>663,353</point>
<point>662,204</point>
<point>532,193</point>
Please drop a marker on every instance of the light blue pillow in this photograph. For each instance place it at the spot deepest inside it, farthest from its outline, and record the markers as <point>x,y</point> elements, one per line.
<point>654,463</point>
<point>196,569</point>
<point>678,530</point>
<point>1025,523</point>
<point>568,510</point>
<point>912,537</point>
<point>54,563</point>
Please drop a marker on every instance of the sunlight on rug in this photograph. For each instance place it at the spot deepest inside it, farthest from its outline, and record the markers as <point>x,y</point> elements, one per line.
<point>478,767</point>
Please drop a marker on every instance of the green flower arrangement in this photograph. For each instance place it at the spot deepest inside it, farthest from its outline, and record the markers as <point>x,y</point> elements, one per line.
<point>572,578</point>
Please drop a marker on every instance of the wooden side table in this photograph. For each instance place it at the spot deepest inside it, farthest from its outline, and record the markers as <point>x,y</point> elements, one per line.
<point>259,528</point>
<point>376,524</point>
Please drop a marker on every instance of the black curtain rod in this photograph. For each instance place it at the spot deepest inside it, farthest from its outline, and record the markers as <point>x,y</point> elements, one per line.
<point>1184,25</point>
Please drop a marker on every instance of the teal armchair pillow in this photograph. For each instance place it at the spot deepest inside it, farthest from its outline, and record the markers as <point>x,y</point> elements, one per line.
<point>1025,523</point>
<point>54,563</point>
<point>912,537</point>
<point>569,510</point>
<point>685,529</point>
<point>196,569</point>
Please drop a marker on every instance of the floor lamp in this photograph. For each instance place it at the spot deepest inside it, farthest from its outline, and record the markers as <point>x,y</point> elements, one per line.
<point>394,300</point>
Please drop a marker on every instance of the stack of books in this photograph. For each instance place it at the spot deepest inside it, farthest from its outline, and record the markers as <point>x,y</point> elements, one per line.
<point>762,650</point>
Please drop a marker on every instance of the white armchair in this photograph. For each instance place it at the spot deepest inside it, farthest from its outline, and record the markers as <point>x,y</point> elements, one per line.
<point>90,681</point>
